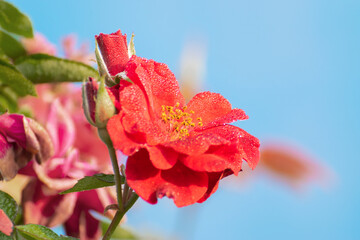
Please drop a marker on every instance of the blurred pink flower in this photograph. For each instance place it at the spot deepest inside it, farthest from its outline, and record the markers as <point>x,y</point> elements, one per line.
<point>21,139</point>
<point>84,136</point>
<point>5,223</point>
<point>81,54</point>
<point>43,205</point>
<point>38,44</point>
<point>78,153</point>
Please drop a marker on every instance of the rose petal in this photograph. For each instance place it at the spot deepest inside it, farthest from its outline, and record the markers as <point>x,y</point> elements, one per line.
<point>161,157</point>
<point>206,163</point>
<point>61,128</point>
<point>55,179</point>
<point>134,122</point>
<point>43,138</point>
<point>121,140</point>
<point>214,179</point>
<point>198,142</point>
<point>181,184</point>
<point>208,106</point>
<point>89,226</point>
<point>247,145</point>
<point>8,165</point>
<point>156,81</point>
<point>232,116</point>
<point>136,116</point>
<point>12,126</point>
<point>107,196</point>
<point>45,206</point>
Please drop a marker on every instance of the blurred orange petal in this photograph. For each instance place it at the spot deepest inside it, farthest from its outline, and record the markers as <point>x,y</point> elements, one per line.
<point>192,68</point>
<point>292,165</point>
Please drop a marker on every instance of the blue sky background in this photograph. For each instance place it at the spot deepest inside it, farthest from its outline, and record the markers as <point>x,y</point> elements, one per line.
<point>293,66</point>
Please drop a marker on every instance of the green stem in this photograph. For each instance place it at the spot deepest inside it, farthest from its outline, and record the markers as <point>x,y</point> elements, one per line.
<point>117,176</point>
<point>131,201</point>
<point>118,216</point>
<point>126,192</point>
<point>104,135</point>
<point>124,203</point>
<point>113,225</point>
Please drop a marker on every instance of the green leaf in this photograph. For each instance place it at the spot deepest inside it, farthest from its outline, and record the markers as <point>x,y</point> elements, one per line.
<point>6,105</point>
<point>5,237</point>
<point>38,232</point>
<point>14,21</point>
<point>42,68</point>
<point>93,182</point>
<point>4,57</point>
<point>8,205</point>
<point>3,108</point>
<point>107,177</point>
<point>8,99</point>
<point>119,233</point>
<point>10,46</point>
<point>11,77</point>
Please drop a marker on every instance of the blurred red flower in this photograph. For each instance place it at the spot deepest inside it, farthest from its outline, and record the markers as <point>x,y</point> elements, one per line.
<point>176,150</point>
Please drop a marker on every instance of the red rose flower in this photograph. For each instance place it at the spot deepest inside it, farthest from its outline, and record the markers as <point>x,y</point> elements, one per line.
<point>175,150</point>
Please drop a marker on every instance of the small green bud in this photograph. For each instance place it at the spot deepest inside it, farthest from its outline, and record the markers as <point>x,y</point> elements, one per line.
<point>105,108</point>
<point>97,104</point>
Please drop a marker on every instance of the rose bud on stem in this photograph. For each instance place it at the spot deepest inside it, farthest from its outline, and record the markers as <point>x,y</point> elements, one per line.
<point>99,108</point>
<point>100,104</point>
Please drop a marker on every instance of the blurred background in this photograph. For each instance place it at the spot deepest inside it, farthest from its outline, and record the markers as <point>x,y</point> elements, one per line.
<point>293,66</point>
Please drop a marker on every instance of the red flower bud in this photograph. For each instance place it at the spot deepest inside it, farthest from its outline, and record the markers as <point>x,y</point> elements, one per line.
<point>89,92</point>
<point>114,51</point>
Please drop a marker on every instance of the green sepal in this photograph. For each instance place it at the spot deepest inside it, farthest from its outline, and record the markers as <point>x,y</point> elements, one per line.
<point>103,71</point>
<point>104,108</point>
<point>131,47</point>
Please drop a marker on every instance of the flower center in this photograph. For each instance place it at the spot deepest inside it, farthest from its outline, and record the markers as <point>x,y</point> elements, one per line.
<point>178,120</point>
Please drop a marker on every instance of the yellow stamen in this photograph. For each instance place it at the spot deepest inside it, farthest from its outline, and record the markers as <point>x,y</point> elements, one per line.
<point>179,121</point>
